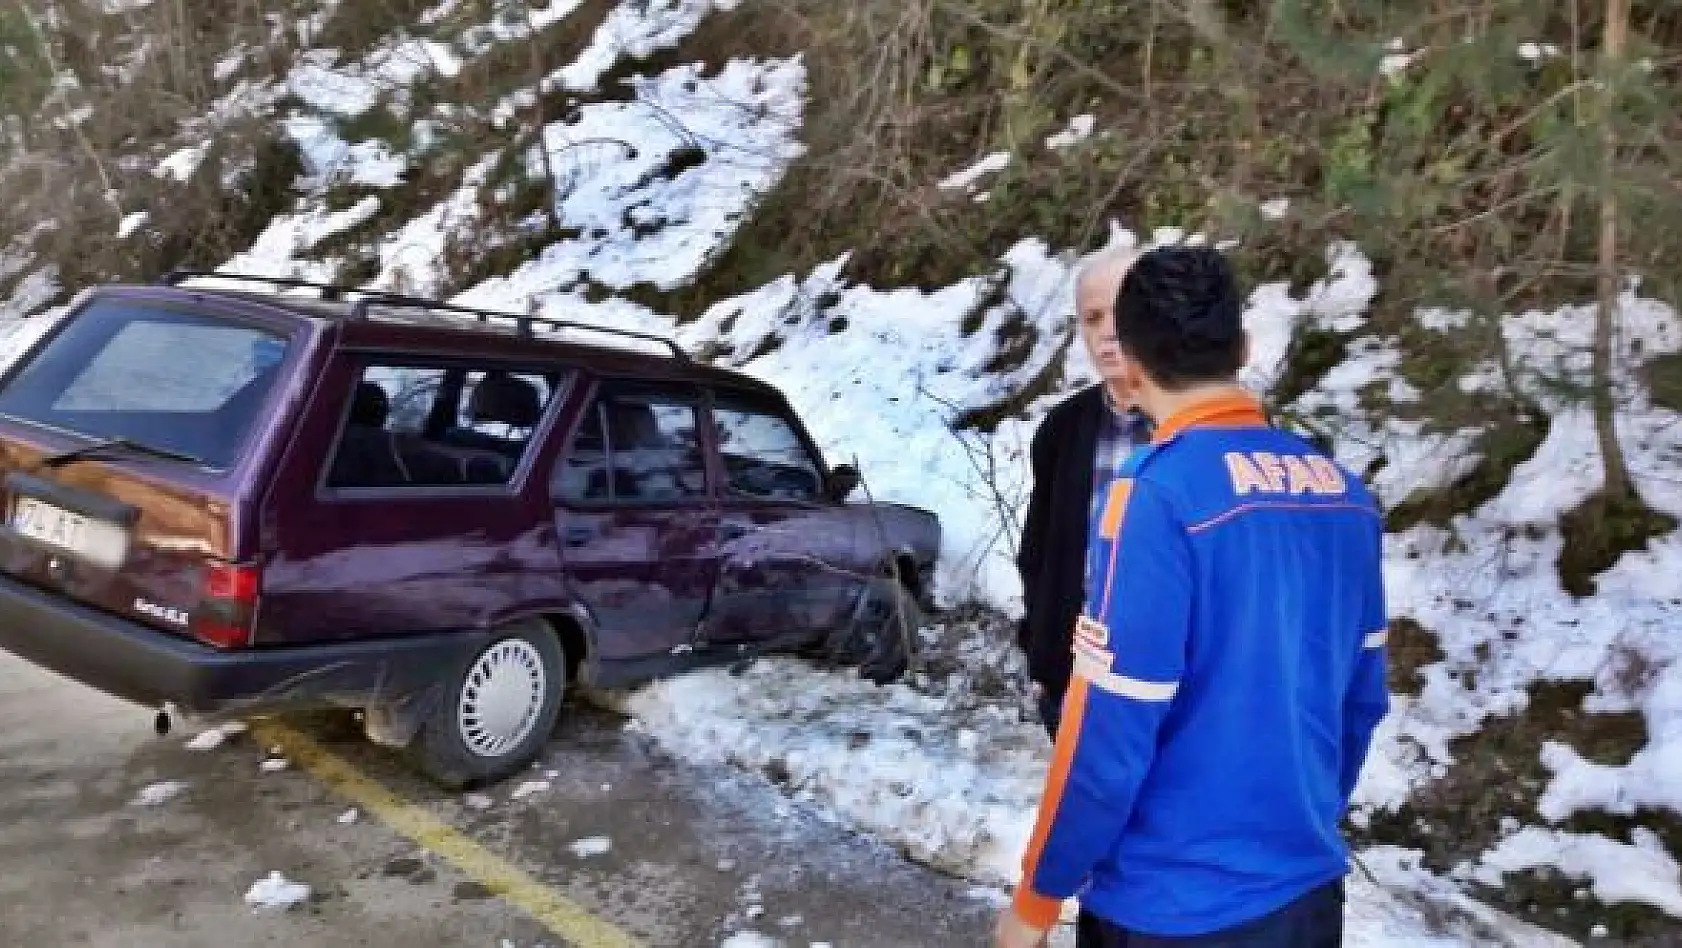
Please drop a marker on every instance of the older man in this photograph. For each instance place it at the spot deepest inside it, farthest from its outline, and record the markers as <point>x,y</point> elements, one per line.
<point>1074,452</point>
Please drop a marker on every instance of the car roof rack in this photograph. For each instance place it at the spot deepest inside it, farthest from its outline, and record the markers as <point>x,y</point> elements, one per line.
<point>360,308</point>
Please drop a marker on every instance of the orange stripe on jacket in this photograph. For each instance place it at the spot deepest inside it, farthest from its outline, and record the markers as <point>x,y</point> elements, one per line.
<point>1035,909</point>
<point>1115,507</point>
<point>1109,528</point>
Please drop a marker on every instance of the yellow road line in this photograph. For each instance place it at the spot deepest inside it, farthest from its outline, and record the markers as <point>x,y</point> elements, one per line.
<point>562,916</point>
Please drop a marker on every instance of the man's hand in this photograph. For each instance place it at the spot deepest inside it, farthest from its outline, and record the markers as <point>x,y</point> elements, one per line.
<point>1013,932</point>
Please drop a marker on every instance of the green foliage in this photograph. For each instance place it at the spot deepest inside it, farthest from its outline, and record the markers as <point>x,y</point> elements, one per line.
<point>1302,25</point>
<point>24,75</point>
<point>381,122</point>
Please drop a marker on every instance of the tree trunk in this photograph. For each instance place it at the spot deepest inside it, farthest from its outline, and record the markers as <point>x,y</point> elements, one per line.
<point>540,124</point>
<point>1612,455</point>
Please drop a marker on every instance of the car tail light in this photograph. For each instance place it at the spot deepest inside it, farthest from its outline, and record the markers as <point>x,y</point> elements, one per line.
<point>228,605</point>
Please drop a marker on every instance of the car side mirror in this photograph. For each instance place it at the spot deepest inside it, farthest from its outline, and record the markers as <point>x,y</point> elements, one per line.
<point>843,479</point>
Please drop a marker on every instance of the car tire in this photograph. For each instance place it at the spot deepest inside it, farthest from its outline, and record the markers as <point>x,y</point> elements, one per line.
<point>882,636</point>
<point>496,711</point>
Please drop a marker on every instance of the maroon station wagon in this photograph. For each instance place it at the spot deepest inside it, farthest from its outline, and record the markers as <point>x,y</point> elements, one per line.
<point>224,502</point>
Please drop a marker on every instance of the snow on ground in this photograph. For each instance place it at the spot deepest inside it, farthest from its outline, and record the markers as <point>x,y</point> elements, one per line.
<point>157,794</point>
<point>967,177</point>
<point>1639,871</point>
<point>529,788</point>
<point>590,846</point>
<point>214,737</point>
<point>749,940</point>
<point>896,763</point>
<point>275,891</point>
<point>1489,586</point>
<point>1079,129</point>
<point>637,30</point>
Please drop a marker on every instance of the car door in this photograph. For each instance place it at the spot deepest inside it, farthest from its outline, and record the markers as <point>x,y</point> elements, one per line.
<point>635,520</point>
<point>785,548</point>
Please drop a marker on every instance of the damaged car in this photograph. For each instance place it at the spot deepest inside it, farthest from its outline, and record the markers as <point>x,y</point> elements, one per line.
<point>232,496</point>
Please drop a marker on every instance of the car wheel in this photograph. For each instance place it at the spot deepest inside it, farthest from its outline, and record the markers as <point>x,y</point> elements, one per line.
<point>497,711</point>
<point>882,636</point>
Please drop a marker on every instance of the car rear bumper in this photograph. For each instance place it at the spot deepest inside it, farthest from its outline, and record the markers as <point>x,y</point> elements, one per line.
<point>154,668</point>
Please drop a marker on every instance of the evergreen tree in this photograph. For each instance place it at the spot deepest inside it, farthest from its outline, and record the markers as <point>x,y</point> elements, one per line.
<point>1521,150</point>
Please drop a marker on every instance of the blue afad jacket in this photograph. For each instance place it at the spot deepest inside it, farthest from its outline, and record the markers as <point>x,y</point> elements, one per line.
<point>1229,673</point>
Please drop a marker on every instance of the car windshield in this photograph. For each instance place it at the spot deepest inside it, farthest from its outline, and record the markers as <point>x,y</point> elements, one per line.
<point>181,382</point>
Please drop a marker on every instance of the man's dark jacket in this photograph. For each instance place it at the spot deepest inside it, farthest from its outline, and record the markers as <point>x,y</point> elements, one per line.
<point>1052,554</point>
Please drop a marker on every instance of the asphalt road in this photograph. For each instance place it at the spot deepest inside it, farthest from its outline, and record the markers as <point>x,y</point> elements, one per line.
<point>694,856</point>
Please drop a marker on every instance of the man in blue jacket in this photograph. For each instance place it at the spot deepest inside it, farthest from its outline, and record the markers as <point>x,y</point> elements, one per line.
<point>1229,663</point>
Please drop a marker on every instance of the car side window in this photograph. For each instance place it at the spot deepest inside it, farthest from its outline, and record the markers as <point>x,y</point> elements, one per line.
<point>413,426</point>
<point>763,456</point>
<point>634,449</point>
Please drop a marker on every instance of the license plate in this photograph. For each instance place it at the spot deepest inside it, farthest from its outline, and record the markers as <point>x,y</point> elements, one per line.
<point>98,541</point>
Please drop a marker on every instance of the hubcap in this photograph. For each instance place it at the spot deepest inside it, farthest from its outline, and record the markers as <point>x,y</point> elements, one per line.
<point>502,697</point>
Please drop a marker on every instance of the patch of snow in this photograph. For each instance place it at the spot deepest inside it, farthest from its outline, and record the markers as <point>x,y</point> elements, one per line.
<point>1341,299</point>
<point>1275,209</point>
<point>328,159</point>
<point>478,40</point>
<point>349,816</point>
<point>123,6</point>
<point>274,891</point>
<point>477,801</point>
<point>750,939</point>
<point>435,15</point>
<point>992,164</point>
<point>530,788</point>
<point>591,846</point>
<point>1394,64</point>
<point>73,117</point>
<point>157,794</point>
<point>1404,905</point>
<point>642,219</point>
<point>273,765</point>
<point>131,223</point>
<point>226,67</point>
<point>181,164</point>
<point>1438,319</point>
<point>877,758</point>
<point>352,89</point>
<point>275,251</point>
<point>636,30</point>
<point>1079,129</point>
<point>212,738</point>
<point>1536,52</point>
<point>30,294</point>
<point>1638,871</point>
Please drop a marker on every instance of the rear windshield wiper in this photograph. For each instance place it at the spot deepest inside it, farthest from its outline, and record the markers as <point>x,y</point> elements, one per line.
<point>119,444</point>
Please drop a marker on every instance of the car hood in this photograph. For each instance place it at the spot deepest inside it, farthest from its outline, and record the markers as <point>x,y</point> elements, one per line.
<point>908,528</point>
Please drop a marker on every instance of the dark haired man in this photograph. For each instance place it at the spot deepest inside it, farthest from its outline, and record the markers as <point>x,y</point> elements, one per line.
<point>1228,666</point>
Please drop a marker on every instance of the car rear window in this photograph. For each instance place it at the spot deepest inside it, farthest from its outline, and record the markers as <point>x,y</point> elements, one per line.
<point>186,382</point>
